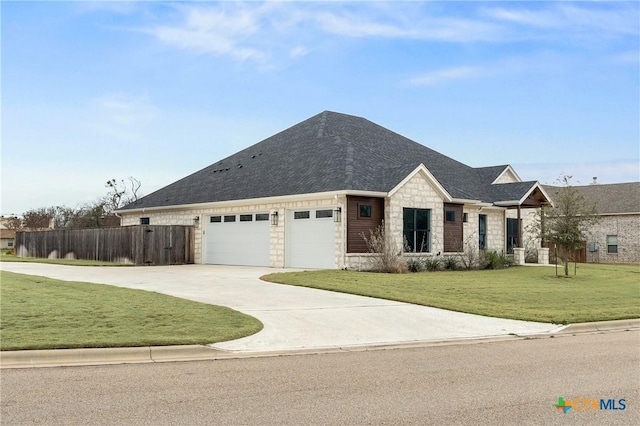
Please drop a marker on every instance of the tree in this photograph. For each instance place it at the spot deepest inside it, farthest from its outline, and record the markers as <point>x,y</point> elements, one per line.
<point>40,218</point>
<point>121,193</point>
<point>96,214</point>
<point>568,222</point>
<point>13,223</point>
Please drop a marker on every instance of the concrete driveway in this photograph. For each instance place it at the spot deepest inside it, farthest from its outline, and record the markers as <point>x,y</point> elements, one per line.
<point>293,317</point>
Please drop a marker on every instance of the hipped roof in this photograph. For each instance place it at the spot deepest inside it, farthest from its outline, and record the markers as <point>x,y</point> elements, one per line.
<point>331,152</point>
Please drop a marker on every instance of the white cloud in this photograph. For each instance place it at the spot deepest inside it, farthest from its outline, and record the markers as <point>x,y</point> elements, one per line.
<point>269,32</point>
<point>418,26</point>
<point>218,31</point>
<point>614,18</point>
<point>298,51</point>
<point>438,77</point>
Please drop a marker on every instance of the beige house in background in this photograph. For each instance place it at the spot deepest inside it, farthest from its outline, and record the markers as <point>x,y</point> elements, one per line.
<point>303,198</point>
<point>7,236</point>
<point>616,238</point>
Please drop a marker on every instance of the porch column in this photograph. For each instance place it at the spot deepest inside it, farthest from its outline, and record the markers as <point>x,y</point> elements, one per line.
<point>520,244</point>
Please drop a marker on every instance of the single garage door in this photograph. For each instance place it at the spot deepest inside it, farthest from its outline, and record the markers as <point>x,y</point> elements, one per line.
<point>237,239</point>
<point>310,239</point>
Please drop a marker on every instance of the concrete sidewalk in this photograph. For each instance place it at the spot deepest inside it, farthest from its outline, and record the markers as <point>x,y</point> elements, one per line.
<point>294,318</point>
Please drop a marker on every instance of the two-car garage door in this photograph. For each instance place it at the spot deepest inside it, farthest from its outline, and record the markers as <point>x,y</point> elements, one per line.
<point>244,239</point>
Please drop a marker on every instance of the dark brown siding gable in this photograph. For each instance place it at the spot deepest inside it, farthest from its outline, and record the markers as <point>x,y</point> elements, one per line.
<point>364,214</point>
<point>453,228</point>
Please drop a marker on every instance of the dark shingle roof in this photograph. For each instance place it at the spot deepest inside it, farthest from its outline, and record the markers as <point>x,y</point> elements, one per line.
<point>328,152</point>
<point>609,198</point>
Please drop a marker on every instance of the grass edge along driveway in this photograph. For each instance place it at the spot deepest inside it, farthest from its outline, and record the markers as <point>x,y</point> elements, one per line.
<point>44,313</point>
<point>597,293</point>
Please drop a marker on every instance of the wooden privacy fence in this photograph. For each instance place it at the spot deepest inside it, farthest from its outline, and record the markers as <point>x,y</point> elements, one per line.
<point>142,245</point>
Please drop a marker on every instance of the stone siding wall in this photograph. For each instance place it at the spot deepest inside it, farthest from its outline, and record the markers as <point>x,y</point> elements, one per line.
<point>416,193</point>
<point>277,251</point>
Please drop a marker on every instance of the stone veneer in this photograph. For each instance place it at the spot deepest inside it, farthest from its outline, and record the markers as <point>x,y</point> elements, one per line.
<point>417,192</point>
<point>278,242</point>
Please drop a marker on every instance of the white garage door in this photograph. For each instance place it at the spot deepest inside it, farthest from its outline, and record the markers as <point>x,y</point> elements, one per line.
<point>237,239</point>
<point>310,239</point>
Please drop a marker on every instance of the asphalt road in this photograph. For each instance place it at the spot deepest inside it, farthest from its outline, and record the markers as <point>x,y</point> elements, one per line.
<point>503,382</point>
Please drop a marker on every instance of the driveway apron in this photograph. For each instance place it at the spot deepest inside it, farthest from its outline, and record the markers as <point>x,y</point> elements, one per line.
<point>294,317</point>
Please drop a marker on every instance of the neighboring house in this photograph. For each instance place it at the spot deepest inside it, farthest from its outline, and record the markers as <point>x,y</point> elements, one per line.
<point>616,237</point>
<point>304,197</point>
<point>7,238</point>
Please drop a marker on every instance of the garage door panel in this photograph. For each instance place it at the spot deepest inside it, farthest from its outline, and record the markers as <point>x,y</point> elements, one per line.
<point>310,239</point>
<point>238,243</point>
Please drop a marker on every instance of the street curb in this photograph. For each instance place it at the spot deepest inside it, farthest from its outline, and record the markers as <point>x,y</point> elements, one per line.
<point>154,354</point>
<point>99,356</point>
<point>586,327</point>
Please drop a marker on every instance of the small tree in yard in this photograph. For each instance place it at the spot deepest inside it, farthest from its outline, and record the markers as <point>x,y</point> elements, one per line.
<point>567,224</point>
<point>388,257</point>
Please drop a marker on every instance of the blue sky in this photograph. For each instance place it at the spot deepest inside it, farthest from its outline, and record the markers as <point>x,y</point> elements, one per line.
<point>158,90</point>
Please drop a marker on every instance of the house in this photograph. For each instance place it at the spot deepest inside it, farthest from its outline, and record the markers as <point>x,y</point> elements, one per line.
<point>7,238</point>
<point>616,237</point>
<point>303,198</point>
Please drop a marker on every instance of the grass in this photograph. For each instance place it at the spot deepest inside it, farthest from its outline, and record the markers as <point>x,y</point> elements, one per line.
<point>73,262</point>
<point>43,313</point>
<point>597,293</point>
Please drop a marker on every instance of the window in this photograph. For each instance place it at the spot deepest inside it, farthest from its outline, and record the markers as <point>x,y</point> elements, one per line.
<point>144,221</point>
<point>450,216</point>
<point>612,244</point>
<point>246,218</point>
<point>417,230</point>
<point>10,243</point>
<point>323,213</point>
<point>262,216</point>
<point>215,219</point>
<point>482,231</point>
<point>231,218</point>
<point>301,215</point>
<point>364,210</point>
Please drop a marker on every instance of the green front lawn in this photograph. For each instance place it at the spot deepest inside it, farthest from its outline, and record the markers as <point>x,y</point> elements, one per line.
<point>43,313</point>
<point>597,293</point>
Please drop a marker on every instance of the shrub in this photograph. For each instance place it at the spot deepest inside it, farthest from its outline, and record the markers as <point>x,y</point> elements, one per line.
<point>494,260</point>
<point>415,264</point>
<point>432,264</point>
<point>450,263</point>
<point>388,254</point>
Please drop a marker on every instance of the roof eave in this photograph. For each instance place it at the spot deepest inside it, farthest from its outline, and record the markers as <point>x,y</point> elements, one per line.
<point>249,201</point>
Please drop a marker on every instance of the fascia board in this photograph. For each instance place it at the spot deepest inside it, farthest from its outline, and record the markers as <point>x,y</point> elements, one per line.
<point>507,203</point>
<point>507,169</point>
<point>421,169</point>
<point>466,201</point>
<point>533,188</point>
<point>537,185</point>
<point>249,201</point>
